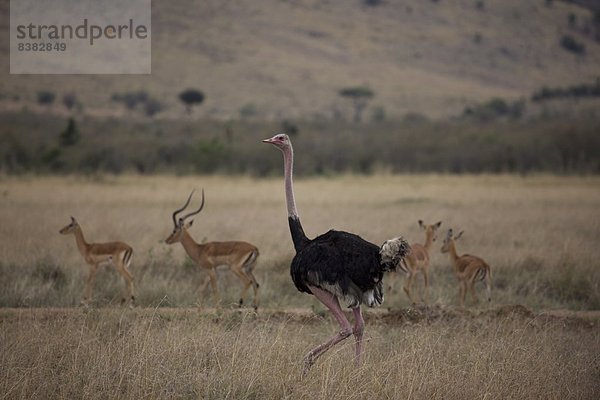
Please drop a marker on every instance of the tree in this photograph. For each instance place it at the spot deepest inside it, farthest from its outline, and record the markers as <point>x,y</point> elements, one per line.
<point>131,99</point>
<point>153,107</point>
<point>45,97</point>
<point>190,97</point>
<point>70,136</point>
<point>571,44</point>
<point>69,100</point>
<point>359,95</point>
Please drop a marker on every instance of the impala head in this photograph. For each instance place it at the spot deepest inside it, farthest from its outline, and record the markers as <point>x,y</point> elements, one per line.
<point>280,140</point>
<point>179,225</point>
<point>450,239</point>
<point>69,228</point>
<point>430,230</point>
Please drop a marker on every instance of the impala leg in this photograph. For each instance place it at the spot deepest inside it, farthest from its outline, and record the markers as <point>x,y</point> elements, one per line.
<point>359,327</point>
<point>202,288</point>
<point>472,289</point>
<point>255,287</point>
<point>246,282</point>
<point>407,284</point>
<point>488,286</point>
<point>128,278</point>
<point>462,293</point>
<point>391,278</point>
<point>331,302</point>
<point>247,270</point>
<point>89,284</point>
<point>212,274</point>
<point>425,286</point>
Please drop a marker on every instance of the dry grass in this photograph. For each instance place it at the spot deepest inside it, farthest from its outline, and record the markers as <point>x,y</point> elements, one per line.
<point>111,353</point>
<point>538,233</point>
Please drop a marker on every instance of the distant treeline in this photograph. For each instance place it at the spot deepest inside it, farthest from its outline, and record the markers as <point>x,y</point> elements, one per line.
<point>41,143</point>
<point>575,91</point>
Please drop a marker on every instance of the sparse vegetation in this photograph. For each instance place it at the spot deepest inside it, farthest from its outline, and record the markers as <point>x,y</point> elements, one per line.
<point>571,44</point>
<point>490,138</point>
<point>45,97</point>
<point>70,136</point>
<point>69,100</point>
<point>131,99</point>
<point>576,91</point>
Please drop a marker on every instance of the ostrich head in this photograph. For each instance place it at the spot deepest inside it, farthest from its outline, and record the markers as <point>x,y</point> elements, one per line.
<point>280,140</point>
<point>392,251</point>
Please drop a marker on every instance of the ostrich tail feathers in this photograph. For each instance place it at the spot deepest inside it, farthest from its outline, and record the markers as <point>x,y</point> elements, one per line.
<point>392,253</point>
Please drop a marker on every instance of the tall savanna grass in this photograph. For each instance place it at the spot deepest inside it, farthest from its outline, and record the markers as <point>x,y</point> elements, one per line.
<point>538,233</point>
<point>163,353</point>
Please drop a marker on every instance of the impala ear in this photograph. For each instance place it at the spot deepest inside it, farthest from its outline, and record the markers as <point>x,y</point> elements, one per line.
<point>459,235</point>
<point>437,224</point>
<point>421,223</point>
<point>189,224</point>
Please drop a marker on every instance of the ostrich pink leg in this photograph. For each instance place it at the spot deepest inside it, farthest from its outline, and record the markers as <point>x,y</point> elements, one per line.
<point>332,303</point>
<point>359,326</point>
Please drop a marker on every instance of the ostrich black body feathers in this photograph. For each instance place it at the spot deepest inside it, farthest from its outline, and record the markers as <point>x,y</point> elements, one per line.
<point>339,262</point>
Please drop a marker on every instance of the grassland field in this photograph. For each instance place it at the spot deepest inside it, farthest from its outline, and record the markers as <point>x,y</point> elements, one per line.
<point>539,337</point>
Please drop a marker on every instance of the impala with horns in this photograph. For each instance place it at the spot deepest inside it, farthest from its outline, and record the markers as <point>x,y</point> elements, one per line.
<point>240,257</point>
<point>95,254</point>
<point>468,269</point>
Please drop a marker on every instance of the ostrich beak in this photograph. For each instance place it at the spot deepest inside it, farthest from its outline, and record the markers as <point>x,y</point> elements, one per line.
<point>270,140</point>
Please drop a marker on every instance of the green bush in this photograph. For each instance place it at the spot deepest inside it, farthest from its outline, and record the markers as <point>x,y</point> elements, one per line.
<point>70,136</point>
<point>210,155</point>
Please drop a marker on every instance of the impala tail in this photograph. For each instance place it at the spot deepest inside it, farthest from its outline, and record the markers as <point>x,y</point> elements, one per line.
<point>484,274</point>
<point>127,257</point>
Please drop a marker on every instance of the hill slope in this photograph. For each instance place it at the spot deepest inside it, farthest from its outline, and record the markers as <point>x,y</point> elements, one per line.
<point>289,58</point>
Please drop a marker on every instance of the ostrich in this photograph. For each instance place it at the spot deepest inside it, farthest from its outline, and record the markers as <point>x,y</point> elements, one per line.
<point>336,266</point>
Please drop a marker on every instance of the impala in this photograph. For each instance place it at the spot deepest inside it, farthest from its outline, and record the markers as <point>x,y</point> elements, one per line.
<point>95,254</point>
<point>240,257</point>
<point>468,269</point>
<point>418,260</point>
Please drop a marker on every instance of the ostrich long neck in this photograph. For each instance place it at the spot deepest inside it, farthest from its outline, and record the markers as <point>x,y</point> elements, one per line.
<point>298,236</point>
<point>288,167</point>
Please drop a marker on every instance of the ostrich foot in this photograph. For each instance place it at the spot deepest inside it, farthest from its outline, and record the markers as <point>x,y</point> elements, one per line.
<point>309,360</point>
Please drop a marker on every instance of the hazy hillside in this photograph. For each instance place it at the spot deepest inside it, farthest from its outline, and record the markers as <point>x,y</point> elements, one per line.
<point>281,58</point>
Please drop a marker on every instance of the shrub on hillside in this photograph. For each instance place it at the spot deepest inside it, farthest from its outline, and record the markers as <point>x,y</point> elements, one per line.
<point>569,43</point>
<point>45,97</point>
